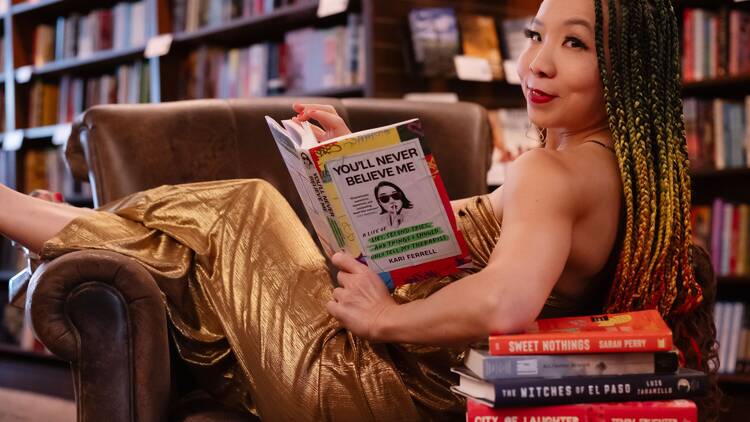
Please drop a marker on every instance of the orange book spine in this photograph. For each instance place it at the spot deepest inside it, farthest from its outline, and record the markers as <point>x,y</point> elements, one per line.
<point>580,342</point>
<point>638,331</point>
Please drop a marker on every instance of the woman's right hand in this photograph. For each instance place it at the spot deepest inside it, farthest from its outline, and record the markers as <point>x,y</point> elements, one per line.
<point>333,124</point>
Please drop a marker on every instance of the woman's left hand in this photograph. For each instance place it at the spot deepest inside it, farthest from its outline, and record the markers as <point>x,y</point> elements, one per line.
<point>362,300</point>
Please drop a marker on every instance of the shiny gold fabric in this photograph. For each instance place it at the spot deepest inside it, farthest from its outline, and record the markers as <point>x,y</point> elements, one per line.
<point>245,289</point>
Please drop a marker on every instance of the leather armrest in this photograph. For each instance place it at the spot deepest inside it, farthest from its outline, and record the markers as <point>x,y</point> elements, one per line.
<point>104,313</point>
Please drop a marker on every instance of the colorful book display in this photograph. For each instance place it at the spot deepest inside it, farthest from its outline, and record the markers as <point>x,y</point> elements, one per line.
<point>378,195</point>
<point>560,368</point>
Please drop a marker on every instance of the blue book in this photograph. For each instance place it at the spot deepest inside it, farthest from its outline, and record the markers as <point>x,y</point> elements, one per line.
<point>684,384</point>
<point>488,367</point>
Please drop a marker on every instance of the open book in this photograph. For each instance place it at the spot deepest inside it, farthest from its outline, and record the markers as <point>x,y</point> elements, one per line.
<point>376,194</point>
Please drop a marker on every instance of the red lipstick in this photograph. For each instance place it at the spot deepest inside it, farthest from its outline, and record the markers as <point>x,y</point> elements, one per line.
<point>538,96</point>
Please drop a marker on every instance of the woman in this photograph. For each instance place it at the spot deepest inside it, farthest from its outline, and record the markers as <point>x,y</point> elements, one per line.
<point>599,216</point>
<point>393,203</point>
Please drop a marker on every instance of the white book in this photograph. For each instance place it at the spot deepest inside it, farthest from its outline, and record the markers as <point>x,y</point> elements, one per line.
<point>138,24</point>
<point>717,324</point>
<point>699,16</point>
<point>726,318</point>
<point>258,57</point>
<point>738,315</point>
<point>122,84</point>
<point>375,194</point>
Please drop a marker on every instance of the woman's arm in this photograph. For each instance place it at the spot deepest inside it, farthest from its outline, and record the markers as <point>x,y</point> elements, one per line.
<point>506,296</point>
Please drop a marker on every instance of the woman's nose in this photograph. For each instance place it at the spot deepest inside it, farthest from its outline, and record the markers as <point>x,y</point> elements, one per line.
<point>542,65</point>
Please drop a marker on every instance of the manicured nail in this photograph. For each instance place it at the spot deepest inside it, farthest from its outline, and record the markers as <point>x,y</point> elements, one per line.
<point>58,197</point>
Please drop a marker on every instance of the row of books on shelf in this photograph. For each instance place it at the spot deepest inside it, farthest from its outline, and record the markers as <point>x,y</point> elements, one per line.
<point>80,35</point>
<point>59,102</point>
<point>732,334</point>
<point>592,368</point>
<point>715,43</point>
<point>45,168</point>
<point>308,60</point>
<point>439,34</point>
<point>723,229</point>
<point>190,15</point>
<point>718,133</point>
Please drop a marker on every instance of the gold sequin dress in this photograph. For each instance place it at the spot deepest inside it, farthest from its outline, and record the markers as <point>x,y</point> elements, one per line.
<point>245,289</point>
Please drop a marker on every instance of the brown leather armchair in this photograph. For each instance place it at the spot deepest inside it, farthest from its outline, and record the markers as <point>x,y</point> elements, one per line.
<point>103,312</point>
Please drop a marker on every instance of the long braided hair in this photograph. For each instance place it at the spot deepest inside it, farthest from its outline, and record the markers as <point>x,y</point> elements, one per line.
<point>640,70</point>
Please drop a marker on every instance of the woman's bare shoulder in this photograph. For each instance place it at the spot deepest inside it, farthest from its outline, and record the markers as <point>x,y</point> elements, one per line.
<point>528,171</point>
<point>540,172</point>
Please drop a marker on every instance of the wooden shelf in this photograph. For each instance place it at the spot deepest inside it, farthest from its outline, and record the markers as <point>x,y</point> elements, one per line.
<point>52,8</point>
<point>732,172</point>
<point>730,86</point>
<point>344,91</point>
<point>712,4</point>
<point>734,280</point>
<point>96,61</point>
<point>256,28</point>
<point>734,379</point>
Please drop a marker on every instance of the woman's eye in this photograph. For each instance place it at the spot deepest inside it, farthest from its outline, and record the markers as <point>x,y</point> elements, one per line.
<point>532,35</point>
<point>575,43</point>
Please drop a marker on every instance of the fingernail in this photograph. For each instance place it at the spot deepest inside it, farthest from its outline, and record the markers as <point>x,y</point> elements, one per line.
<point>58,197</point>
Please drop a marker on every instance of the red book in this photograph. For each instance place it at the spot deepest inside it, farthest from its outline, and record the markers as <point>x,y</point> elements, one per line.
<point>734,241</point>
<point>678,410</point>
<point>688,46</point>
<point>641,331</point>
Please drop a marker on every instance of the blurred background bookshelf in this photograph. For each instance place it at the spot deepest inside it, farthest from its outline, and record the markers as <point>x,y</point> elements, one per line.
<point>60,57</point>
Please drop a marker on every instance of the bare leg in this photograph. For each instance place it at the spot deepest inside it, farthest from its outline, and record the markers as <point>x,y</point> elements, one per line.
<point>31,221</point>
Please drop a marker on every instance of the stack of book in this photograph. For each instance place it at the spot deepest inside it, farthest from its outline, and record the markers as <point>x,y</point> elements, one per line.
<point>594,368</point>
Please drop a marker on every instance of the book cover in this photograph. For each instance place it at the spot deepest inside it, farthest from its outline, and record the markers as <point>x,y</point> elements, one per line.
<point>684,384</point>
<point>479,39</point>
<point>641,411</point>
<point>488,367</point>
<point>641,331</point>
<point>434,34</point>
<point>376,194</point>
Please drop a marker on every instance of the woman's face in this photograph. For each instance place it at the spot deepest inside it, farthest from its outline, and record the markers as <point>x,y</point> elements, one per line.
<point>559,69</point>
<point>390,199</point>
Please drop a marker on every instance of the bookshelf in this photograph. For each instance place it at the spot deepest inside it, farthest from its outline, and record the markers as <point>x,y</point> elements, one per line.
<point>388,72</point>
<point>713,81</point>
<point>385,60</point>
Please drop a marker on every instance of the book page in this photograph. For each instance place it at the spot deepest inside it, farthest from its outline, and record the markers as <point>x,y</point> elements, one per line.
<point>308,186</point>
